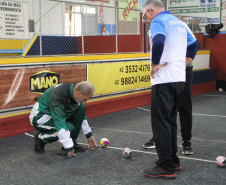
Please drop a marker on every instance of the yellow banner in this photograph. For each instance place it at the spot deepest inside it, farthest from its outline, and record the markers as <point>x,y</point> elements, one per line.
<point>127,13</point>
<point>115,77</point>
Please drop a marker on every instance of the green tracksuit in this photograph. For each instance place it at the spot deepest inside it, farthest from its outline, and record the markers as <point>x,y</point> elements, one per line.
<point>58,116</point>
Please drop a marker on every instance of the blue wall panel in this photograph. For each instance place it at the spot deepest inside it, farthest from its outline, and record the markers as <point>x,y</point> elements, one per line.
<point>202,76</point>
<point>55,45</point>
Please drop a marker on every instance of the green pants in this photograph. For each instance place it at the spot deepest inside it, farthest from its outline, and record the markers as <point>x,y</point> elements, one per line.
<point>45,125</point>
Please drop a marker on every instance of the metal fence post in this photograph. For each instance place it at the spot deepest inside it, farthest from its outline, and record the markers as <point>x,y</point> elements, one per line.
<point>116,30</point>
<point>146,38</point>
<point>40,30</point>
<point>82,29</point>
<point>23,32</point>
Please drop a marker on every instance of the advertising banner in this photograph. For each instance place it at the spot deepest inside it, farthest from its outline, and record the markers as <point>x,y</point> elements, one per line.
<point>22,87</point>
<point>128,15</point>
<point>223,14</point>
<point>114,77</point>
<point>14,20</point>
<point>197,8</point>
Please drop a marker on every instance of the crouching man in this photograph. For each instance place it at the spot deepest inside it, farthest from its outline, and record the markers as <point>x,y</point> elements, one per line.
<point>59,114</point>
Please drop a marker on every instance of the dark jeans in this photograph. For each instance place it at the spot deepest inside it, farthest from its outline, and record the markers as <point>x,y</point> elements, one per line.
<point>185,107</point>
<point>165,99</point>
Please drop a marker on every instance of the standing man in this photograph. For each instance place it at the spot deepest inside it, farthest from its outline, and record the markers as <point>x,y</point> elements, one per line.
<point>59,114</point>
<point>185,105</point>
<point>169,44</point>
<point>194,25</point>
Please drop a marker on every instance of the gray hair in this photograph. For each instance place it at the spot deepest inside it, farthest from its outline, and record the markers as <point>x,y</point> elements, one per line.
<point>84,87</point>
<point>153,3</point>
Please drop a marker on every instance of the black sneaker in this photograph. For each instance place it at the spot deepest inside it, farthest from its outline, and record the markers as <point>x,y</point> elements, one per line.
<point>187,150</point>
<point>158,172</point>
<point>62,148</point>
<point>77,148</point>
<point>39,145</point>
<point>177,167</point>
<point>150,144</point>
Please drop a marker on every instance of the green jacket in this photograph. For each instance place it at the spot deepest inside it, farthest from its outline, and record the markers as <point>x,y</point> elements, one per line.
<point>58,102</point>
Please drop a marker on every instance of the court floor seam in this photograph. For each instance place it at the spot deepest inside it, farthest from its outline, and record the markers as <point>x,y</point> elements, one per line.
<point>210,115</point>
<point>154,153</point>
<point>140,151</point>
<point>213,95</point>
<point>129,131</point>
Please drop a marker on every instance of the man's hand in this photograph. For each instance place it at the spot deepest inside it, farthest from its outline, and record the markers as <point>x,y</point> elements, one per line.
<point>92,143</point>
<point>71,153</point>
<point>155,67</point>
<point>188,61</point>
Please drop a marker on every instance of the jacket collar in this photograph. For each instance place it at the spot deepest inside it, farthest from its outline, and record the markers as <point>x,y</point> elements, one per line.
<point>163,12</point>
<point>71,92</point>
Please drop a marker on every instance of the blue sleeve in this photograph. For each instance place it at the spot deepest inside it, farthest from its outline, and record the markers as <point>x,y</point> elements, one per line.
<point>158,32</point>
<point>190,37</point>
<point>192,50</point>
<point>157,27</point>
<point>157,48</point>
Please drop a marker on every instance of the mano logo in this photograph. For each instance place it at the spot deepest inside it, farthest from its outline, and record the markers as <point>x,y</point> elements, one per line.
<point>43,80</point>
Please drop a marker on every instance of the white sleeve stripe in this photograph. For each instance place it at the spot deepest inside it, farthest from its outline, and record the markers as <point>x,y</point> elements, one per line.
<point>34,112</point>
<point>45,118</point>
<point>64,138</point>
<point>193,41</point>
<point>85,127</point>
<point>46,127</point>
<point>48,135</point>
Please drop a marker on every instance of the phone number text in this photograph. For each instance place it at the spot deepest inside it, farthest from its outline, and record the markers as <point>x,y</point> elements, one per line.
<point>135,68</point>
<point>134,80</point>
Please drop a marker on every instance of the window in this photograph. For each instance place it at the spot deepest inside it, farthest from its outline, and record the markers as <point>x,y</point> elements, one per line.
<point>73,24</point>
<point>89,10</point>
<point>71,8</point>
<point>73,17</point>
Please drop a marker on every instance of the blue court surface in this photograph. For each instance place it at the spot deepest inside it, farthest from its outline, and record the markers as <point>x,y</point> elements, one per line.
<point>129,128</point>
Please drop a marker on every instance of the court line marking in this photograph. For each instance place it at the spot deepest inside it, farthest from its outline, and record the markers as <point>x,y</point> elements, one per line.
<point>28,134</point>
<point>130,131</point>
<point>140,151</point>
<point>154,153</point>
<point>144,109</point>
<point>137,132</point>
<point>210,115</point>
<point>213,95</point>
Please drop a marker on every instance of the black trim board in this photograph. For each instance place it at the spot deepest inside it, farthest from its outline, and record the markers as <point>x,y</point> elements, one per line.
<point>205,75</point>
